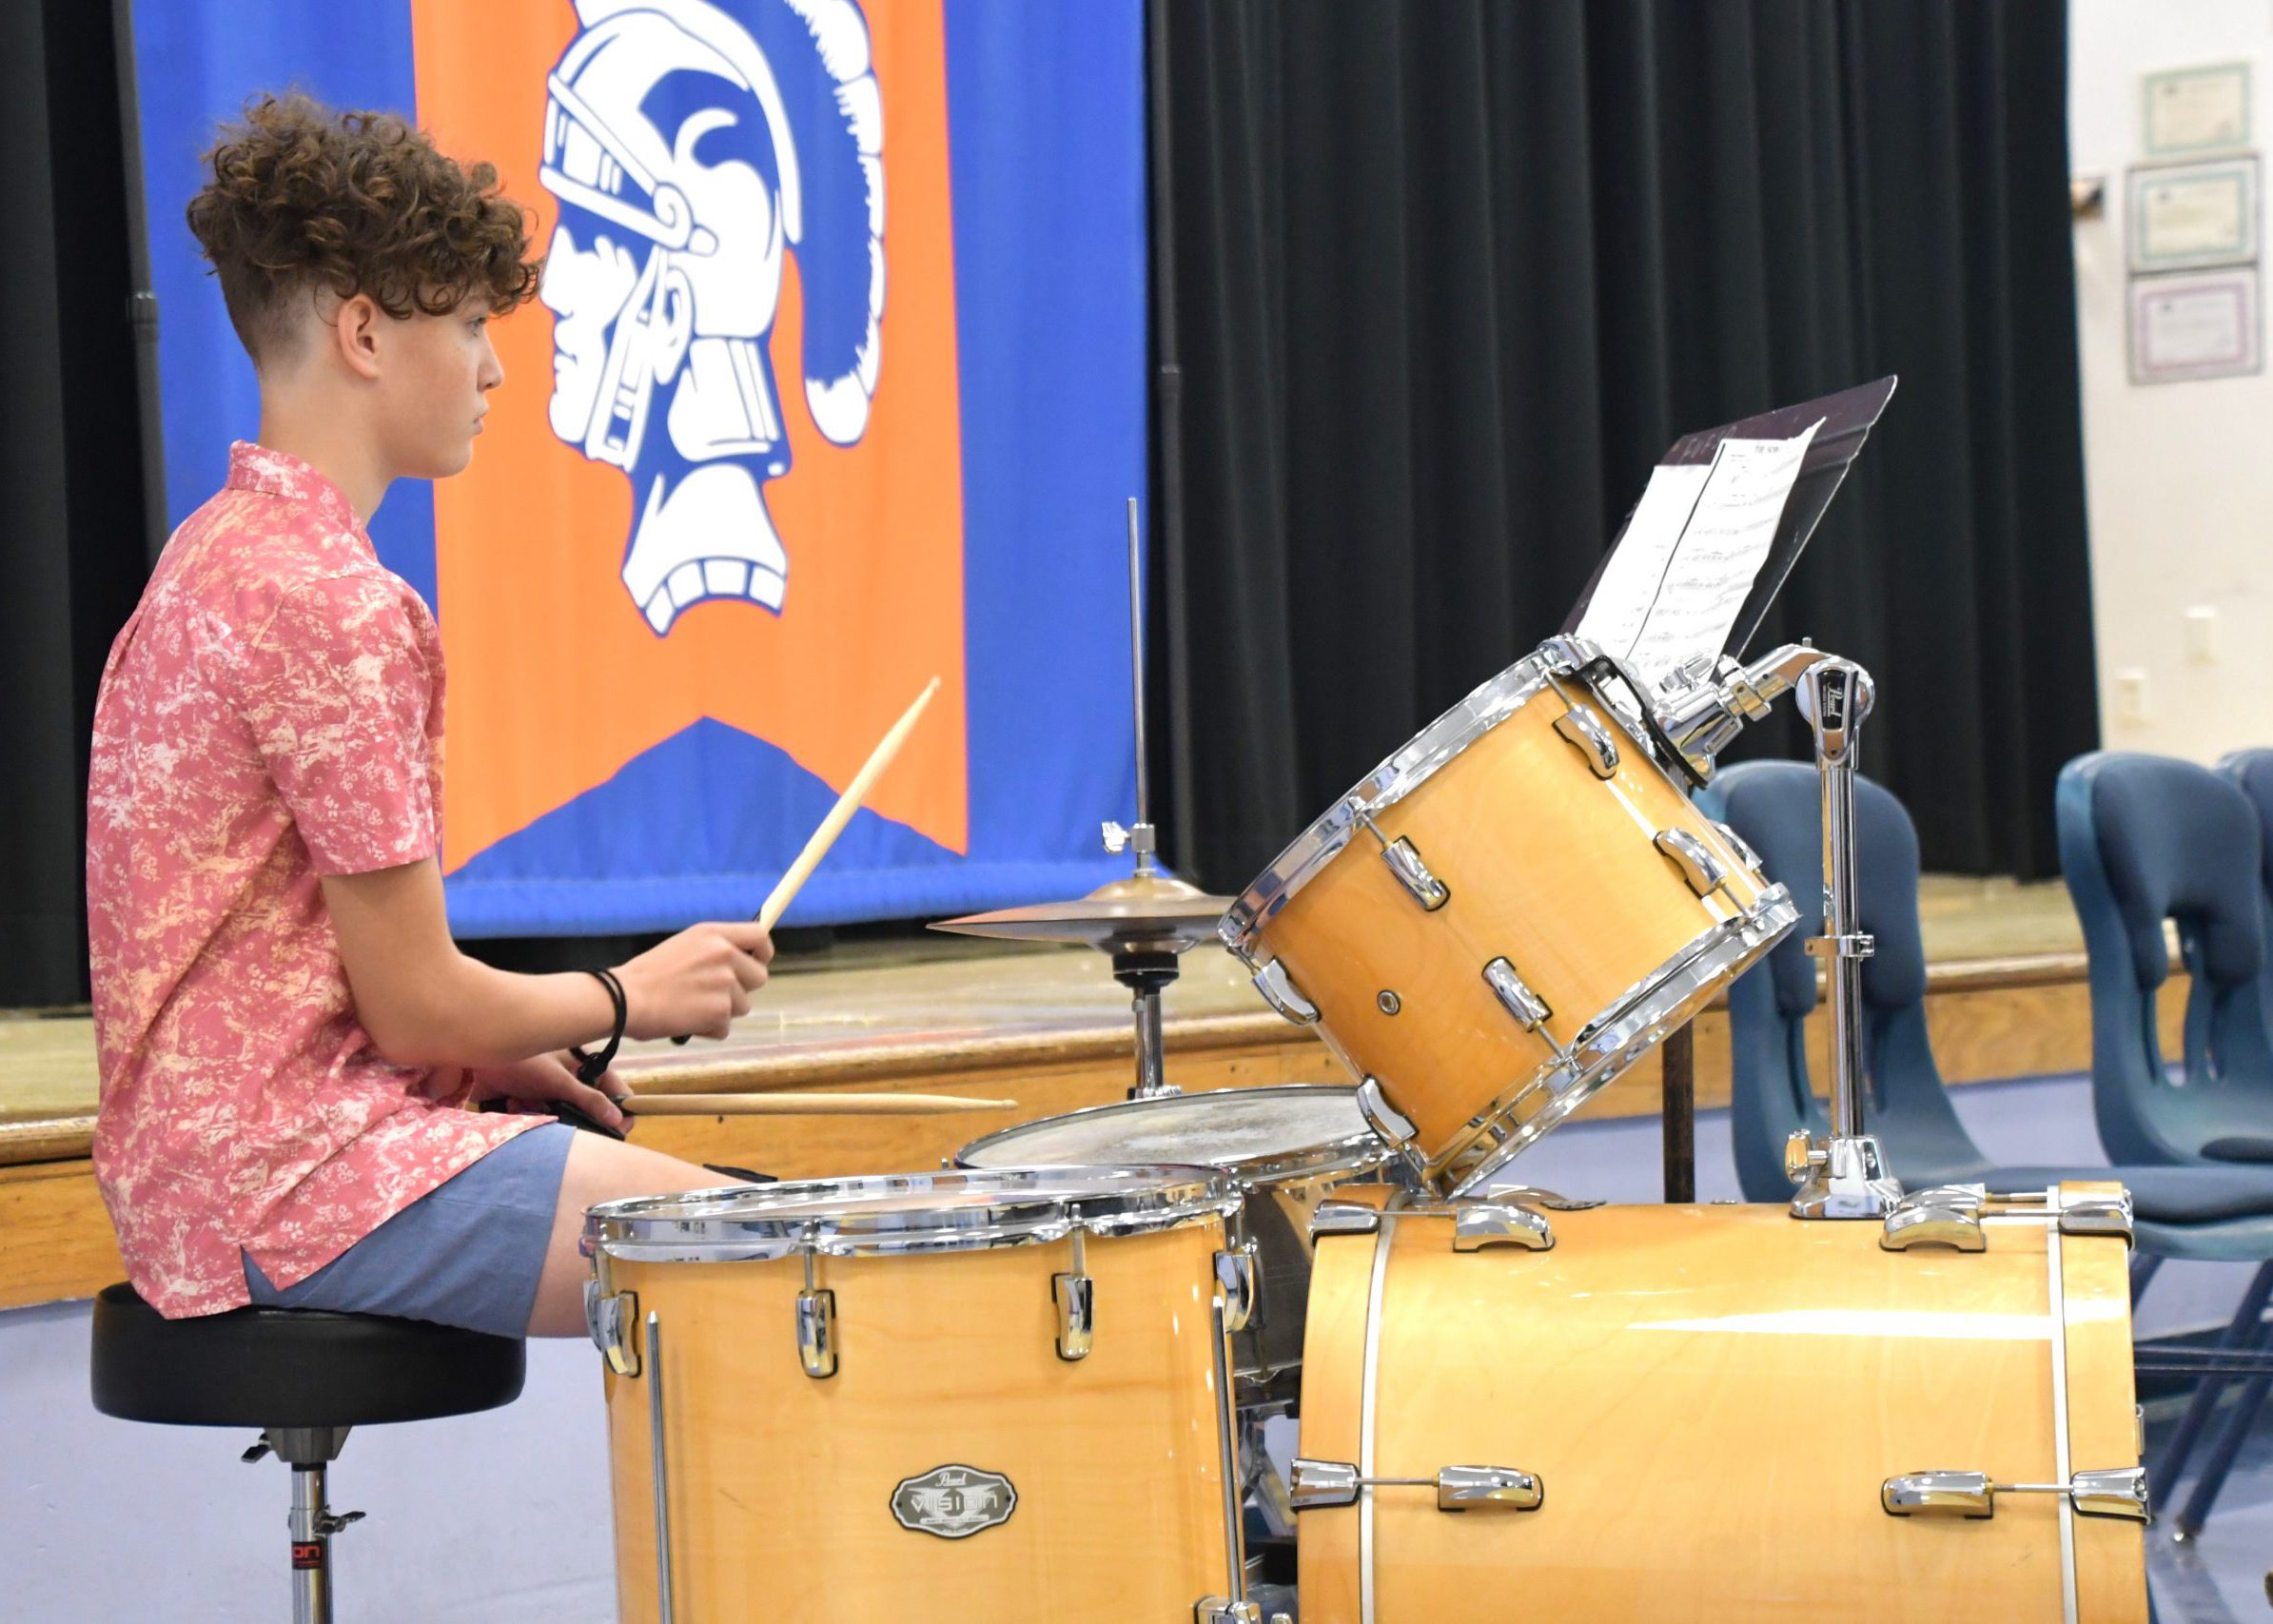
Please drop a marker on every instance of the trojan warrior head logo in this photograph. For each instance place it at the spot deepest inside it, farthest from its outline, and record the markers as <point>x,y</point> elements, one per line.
<point>692,146</point>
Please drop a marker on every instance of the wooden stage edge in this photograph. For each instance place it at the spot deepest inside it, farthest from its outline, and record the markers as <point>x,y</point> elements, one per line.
<point>1991,1020</point>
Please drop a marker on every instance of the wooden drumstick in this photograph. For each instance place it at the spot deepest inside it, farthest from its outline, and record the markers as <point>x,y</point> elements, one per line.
<point>841,813</point>
<point>809,1104</point>
<point>818,847</point>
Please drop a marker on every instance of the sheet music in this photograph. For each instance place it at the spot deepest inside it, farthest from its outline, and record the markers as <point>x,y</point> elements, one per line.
<point>1681,596</point>
<point>1629,585</point>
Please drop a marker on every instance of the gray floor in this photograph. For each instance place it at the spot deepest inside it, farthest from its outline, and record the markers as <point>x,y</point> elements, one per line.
<point>2221,1574</point>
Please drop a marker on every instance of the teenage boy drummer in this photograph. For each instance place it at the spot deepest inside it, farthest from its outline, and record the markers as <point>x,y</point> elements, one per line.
<point>287,1034</point>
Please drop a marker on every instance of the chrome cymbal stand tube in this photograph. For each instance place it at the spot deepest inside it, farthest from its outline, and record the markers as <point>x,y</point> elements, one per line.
<point>1140,839</point>
<point>1144,973</point>
<point>1845,1176</point>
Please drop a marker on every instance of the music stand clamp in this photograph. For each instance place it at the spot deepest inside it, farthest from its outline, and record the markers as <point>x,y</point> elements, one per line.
<point>1846,1175</point>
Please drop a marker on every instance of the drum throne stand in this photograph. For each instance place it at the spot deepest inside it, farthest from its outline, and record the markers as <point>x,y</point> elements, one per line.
<point>1846,1175</point>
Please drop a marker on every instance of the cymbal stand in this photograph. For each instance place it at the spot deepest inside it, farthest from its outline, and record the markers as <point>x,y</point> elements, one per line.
<point>1845,1176</point>
<point>1145,973</point>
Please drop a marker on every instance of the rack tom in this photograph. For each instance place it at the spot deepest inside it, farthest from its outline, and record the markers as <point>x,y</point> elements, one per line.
<point>1504,915</point>
<point>983,1398</point>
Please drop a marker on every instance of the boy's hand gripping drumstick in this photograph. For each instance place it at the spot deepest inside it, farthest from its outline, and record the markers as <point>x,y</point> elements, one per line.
<point>847,804</point>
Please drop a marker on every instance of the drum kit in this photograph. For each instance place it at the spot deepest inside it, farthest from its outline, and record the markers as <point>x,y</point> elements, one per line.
<point>1050,1383</point>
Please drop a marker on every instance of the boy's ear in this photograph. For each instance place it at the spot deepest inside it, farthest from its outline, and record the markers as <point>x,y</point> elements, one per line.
<point>354,325</point>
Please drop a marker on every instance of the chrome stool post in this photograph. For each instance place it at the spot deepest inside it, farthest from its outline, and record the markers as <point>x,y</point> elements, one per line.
<point>308,1450</point>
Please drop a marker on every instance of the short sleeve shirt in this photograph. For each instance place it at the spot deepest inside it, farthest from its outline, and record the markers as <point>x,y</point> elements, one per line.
<point>272,714</point>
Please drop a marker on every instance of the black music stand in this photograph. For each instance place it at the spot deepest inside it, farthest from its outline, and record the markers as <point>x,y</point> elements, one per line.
<point>1848,418</point>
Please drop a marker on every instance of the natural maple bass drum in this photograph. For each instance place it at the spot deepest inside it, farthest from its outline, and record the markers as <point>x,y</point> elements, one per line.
<point>1524,1407</point>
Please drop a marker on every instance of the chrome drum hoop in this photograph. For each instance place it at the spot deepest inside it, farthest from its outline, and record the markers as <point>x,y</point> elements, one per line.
<point>1355,1153</point>
<point>1633,1024</point>
<point>904,1213</point>
<point>1492,702</point>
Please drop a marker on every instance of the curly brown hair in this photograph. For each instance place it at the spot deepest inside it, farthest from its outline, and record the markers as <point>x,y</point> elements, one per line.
<point>304,197</point>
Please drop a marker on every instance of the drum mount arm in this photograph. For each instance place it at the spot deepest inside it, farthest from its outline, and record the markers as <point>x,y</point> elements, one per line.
<point>1846,1175</point>
<point>1690,719</point>
<point>1701,711</point>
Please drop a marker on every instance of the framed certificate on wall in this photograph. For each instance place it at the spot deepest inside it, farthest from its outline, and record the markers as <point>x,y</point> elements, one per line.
<point>2186,216</point>
<point>2190,111</point>
<point>2196,326</point>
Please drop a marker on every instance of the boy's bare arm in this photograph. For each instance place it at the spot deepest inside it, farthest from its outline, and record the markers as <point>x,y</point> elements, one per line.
<point>427,1003</point>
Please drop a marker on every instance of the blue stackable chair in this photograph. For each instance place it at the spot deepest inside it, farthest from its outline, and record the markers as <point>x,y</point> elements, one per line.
<point>2253,771</point>
<point>2218,1213</point>
<point>2144,839</point>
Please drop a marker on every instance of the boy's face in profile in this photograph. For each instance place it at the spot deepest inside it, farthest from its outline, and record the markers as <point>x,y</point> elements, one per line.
<point>434,374</point>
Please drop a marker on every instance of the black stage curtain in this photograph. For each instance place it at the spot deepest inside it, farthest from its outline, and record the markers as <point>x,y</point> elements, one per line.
<point>1449,277</point>
<point>71,468</point>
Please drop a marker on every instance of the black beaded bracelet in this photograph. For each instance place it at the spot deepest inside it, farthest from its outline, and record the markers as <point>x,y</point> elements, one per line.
<point>592,1066</point>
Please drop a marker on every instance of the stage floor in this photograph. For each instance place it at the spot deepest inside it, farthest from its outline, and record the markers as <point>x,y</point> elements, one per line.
<point>894,1003</point>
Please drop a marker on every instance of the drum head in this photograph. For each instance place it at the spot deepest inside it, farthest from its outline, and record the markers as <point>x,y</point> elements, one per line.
<point>911,1212</point>
<point>1256,1133</point>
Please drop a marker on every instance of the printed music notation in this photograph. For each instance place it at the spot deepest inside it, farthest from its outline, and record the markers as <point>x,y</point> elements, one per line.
<point>1691,552</point>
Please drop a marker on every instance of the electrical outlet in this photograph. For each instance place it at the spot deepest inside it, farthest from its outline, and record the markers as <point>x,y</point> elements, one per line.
<point>2202,635</point>
<point>2132,702</point>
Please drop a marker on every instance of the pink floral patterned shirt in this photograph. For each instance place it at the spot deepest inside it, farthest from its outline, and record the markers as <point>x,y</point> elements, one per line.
<point>271,713</point>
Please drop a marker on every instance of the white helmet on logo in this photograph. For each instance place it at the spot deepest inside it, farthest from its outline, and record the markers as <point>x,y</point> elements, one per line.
<point>691,149</point>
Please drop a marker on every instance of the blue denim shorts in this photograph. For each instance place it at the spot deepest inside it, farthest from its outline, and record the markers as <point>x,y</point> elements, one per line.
<point>468,1252</point>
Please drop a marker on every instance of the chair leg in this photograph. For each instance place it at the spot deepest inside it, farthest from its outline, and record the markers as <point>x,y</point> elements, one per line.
<point>2224,1451</point>
<point>2163,1478</point>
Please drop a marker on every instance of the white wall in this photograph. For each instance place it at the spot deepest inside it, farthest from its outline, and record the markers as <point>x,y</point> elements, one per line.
<point>2179,476</point>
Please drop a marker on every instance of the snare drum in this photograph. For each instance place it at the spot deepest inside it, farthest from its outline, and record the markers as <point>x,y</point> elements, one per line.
<point>985,1397</point>
<point>1719,1413</point>
<point>1288,1147</point>
<point>1504,915</point>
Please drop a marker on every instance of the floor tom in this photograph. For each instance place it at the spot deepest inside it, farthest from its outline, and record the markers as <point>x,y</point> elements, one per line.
<point>985,1398</point>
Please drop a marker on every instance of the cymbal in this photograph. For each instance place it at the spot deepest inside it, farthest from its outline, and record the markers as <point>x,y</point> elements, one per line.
<point>1145,914</point>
